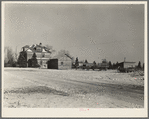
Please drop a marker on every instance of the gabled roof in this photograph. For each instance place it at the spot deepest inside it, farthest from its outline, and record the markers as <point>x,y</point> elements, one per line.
<point>32,48</point>
<point>29,50</point>
<point>62,56</point>
<point>43,50</point>
<point>68,56</point>
<point>39,45</point>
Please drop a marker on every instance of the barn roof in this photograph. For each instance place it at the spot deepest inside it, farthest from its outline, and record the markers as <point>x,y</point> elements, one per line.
<point>68,56</point>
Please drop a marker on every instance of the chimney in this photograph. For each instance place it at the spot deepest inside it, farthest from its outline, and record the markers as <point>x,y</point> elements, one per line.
<point>40,44</point>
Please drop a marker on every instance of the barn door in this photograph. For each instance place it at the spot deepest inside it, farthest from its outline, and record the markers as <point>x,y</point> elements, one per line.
<point>53,64</point>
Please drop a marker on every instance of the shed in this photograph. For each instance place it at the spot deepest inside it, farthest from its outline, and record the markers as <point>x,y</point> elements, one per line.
<point>126,64</point>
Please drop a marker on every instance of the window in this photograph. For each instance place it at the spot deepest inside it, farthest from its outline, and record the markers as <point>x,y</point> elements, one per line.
<point>38,49</point>
<point>61,63</point>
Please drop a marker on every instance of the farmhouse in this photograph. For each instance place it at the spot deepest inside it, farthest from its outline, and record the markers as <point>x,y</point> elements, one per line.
<point>42,54</point>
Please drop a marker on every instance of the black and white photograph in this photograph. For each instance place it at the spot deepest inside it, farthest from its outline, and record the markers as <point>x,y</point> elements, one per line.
<point>74,59</point>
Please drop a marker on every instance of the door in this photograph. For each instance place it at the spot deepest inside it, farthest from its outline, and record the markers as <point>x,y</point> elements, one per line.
<point>53,64</point>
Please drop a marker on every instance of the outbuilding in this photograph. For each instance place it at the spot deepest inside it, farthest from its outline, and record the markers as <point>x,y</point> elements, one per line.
<point>62,62</point>
<point>127,64</point>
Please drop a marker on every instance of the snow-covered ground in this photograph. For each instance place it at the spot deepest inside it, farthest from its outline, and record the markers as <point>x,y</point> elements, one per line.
<point>28,87</point>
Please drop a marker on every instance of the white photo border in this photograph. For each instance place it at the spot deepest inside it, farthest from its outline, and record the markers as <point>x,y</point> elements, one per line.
<point>75,112</point>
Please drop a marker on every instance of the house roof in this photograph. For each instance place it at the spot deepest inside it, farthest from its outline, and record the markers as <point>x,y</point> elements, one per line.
<point>32,48</point>
<point>29,50</point>
<point>26,46</point>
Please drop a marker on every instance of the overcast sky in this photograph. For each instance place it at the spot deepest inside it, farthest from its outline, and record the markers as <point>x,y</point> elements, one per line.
<point>91,32</point>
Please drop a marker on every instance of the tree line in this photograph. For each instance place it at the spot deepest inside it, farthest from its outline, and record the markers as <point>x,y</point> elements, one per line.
<point>12,60</point>
<point>111,66</point>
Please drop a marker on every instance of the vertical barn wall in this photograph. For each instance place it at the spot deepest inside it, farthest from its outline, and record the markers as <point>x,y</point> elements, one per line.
<point>64,63</point>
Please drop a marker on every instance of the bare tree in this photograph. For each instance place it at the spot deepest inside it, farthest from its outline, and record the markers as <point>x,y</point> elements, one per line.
<point>9,56</point>
<point>62,53</point>
<point>50,49</point>
<point>15,57</point>
<point>5,55</point>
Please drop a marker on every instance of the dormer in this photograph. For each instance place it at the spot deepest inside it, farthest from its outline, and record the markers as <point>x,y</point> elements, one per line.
<point>38,49</point>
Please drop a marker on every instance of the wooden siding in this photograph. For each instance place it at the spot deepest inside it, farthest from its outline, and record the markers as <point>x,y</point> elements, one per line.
<point>64,64</point>
<point>129,64</point>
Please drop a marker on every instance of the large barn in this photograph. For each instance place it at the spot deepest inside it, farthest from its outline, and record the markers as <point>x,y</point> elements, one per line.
<point>42,54</point>
<point>62,62</point>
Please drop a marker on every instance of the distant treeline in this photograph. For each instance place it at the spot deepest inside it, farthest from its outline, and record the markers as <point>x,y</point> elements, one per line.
<point>109,64</point>
<point>12,59</point>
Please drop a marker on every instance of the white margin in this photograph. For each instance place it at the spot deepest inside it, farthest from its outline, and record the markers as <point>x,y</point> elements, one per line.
<point>146,59</point>
<point>2,50</point>
<point>76,2</point>
<point>74,112</point>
